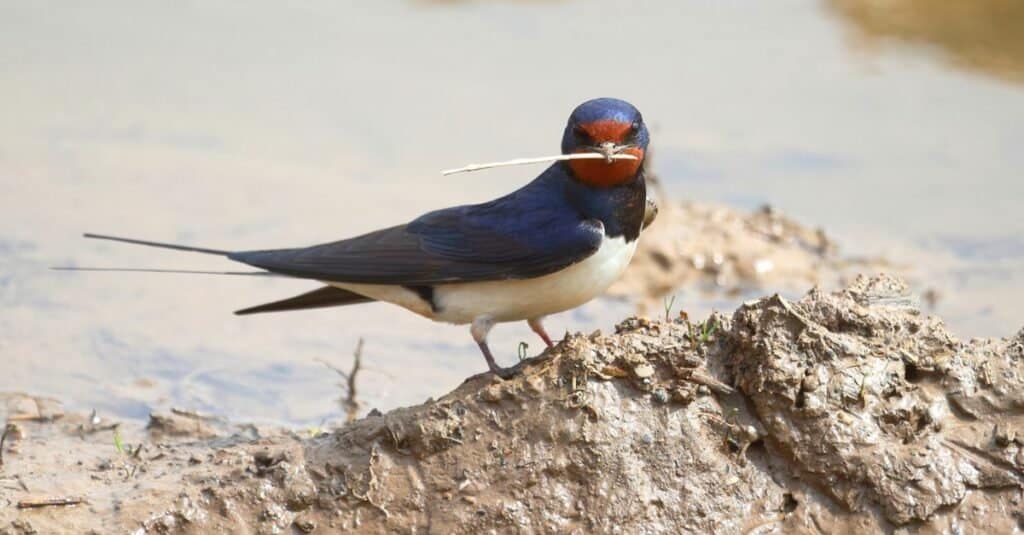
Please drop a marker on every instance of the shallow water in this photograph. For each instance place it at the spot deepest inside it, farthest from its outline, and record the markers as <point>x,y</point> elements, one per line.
<point>249,126</point>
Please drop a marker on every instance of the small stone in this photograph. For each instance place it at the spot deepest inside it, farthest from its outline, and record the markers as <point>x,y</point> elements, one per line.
<point>643,371</point>
<point>613,371</point>
<point>175,424</point>
<point>1004,435</point>
<point>685,394</point>
<point>304,525</point>
<point>492,394</point>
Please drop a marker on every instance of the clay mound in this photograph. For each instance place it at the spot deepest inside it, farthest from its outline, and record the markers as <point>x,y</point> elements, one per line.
<point>723,251</point>
<point>839,412</point>
<point>882,409</point>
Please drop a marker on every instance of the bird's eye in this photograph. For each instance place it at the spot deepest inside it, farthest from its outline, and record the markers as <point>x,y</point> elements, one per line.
<point>634,128</point>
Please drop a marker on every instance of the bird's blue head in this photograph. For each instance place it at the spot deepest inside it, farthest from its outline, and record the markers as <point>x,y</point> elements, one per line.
<point>606,126</point>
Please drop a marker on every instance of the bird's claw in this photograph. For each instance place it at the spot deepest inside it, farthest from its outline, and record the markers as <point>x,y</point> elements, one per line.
<point>507,373</point>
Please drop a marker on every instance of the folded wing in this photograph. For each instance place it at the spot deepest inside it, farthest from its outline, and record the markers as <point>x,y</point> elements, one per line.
<point>518,236</point>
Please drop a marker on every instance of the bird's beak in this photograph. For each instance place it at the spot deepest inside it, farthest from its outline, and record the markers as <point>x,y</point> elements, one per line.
<point>609,149</point>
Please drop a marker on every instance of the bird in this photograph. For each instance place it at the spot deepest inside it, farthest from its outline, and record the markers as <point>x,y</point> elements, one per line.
<point>550,246</point>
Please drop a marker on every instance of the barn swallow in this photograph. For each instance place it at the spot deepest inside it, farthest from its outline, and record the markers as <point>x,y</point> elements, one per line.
<point>547,247</point>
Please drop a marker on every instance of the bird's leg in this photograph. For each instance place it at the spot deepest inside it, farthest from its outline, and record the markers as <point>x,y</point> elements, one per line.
<point>538,327</point>
<point>481,326</point>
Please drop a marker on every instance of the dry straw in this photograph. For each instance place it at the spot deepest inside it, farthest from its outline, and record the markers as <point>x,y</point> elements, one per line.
<point>542,159</point>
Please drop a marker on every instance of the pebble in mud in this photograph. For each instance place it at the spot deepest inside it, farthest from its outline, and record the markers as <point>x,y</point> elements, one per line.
<point>305,526</point>
<point>1004,435</point>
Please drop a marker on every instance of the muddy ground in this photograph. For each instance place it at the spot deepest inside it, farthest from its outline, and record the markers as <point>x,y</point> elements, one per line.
<point>840,411</point>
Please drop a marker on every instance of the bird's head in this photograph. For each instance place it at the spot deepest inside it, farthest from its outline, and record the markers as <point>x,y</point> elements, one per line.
<point>607,126</point>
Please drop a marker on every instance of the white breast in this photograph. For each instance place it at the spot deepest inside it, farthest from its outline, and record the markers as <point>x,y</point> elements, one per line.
<point>515,300</point>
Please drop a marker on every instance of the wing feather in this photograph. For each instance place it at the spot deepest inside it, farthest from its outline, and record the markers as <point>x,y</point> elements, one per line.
<point>529,233</point>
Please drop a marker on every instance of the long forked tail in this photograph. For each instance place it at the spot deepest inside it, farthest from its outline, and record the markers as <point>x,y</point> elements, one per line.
<point>158,270</point>
<point>161,245</point>
<point>326,296</point>
<point>164,245</point>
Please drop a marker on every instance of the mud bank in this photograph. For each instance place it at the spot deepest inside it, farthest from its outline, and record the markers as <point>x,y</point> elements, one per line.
<point>721,251</point>
<point>838,412</point>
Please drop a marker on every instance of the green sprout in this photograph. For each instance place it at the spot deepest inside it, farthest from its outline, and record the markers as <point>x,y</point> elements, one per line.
<point>118,444</point>
<point>668,306</point>
<point>708,330</point>
<point>704,331</point>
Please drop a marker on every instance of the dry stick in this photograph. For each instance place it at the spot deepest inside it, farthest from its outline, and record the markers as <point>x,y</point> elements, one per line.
<point>542,159</point>
<point>351,403</point>
<point>48,502</point>
<point>714,384</point>
<point>7,430</point>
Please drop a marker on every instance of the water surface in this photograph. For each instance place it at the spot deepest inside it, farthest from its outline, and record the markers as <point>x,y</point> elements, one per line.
<point>249,125</point>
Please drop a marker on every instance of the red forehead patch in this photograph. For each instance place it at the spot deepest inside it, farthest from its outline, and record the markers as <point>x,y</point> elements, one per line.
<point>607,130</point>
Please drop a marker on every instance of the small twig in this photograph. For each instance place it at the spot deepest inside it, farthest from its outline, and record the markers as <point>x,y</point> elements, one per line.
<point>717,386</point>
<point>8,429</point>
<point>50,502</point>
<point>83,431</point>
<point>350,400</point>
<point>542,159</point>
<point>335,369</point>
<point>195,415</point>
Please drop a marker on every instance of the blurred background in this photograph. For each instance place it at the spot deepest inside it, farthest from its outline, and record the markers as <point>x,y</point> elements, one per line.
<point>896,126</point>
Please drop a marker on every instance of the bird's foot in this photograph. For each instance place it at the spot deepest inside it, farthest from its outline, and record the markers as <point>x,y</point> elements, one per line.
<point>508,372</point>
<point>504,373</point>
<point>538,327</point>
